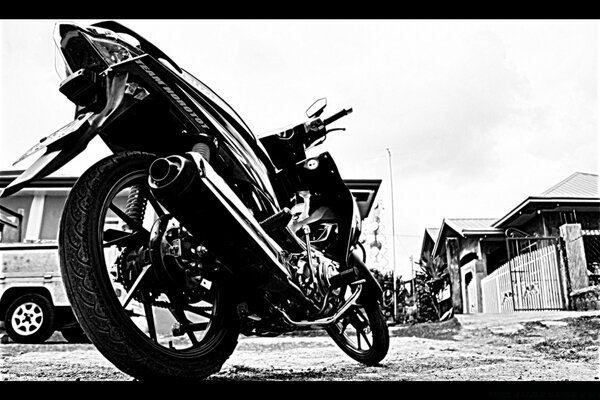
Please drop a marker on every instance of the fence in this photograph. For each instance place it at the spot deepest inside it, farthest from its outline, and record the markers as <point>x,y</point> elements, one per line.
<point>496,291</point>
<point>527,282</point>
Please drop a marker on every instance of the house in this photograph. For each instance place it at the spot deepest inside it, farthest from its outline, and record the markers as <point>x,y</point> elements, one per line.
<point>537,256</point>
<point>40,204</point>
<point>469,247</point>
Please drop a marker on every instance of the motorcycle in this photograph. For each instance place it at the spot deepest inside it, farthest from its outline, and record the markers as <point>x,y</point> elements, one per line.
<point>194,231</point>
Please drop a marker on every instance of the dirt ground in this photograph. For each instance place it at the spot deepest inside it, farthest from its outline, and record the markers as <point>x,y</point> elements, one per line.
<point>552,347</point>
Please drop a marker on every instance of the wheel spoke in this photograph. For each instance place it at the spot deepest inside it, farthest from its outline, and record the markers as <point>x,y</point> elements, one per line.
<point>191,328</point>
<point>114,237</point>
<point>200,311</point>
<point>343,324</point>
<point>359,321</point>
<point>188,327</point>
<point>133,224</point>
<point>192,337</point>
<point>364,335</point>
<point>149,317</point>
<point>135,285</point>
<point>198,326</point>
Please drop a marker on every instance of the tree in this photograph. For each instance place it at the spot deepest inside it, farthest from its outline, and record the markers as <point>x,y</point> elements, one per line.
<point>430,281</point>
<point>374,241</point>
<point>386,283</point>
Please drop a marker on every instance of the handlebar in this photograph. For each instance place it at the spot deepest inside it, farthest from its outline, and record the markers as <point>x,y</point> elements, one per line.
<point>336,116</point>
<point>317,129</point>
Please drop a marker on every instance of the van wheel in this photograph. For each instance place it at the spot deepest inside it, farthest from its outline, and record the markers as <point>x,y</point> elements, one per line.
<point>30,319</point>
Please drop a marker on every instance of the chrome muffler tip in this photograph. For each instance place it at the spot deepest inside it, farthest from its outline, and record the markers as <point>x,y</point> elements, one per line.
<point>162,171</point>
<point>171,177</point>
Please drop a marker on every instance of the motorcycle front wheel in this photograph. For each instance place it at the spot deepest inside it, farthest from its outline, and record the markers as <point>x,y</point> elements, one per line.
<point>146,331</point>
<point>362,332</point>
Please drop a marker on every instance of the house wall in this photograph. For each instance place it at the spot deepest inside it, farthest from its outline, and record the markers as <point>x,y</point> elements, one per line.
<point>463,255</point>
<point>547,223</point>
<point>53,206</point>
<point>538,225</point>
<point>588,220</point>
<point>469,246</point>
<point>16,203</point>
<point>493,254</point>
<point>472,273</point>
<point>452,260</point>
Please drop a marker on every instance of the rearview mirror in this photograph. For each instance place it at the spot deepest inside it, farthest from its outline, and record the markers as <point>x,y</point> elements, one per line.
<point>316,108</point>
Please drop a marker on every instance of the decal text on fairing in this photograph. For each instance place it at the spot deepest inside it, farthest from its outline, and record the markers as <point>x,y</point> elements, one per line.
<point>172,94</point>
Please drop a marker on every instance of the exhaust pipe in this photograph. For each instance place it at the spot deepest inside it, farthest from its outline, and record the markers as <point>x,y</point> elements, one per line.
<point>171,176</point>
<point>163,171</point>
<point>189,188</point>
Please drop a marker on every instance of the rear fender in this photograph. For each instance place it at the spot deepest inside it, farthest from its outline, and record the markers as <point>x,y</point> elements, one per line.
<point>69,141</point>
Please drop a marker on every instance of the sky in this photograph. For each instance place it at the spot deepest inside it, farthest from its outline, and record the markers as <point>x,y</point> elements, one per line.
<point>477,114</point>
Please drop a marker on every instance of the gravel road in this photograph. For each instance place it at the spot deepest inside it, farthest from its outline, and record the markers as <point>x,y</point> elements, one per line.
<point>550,347</point>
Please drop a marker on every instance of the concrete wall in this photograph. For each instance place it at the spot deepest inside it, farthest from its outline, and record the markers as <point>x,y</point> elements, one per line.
<point>468,246</point>
<point>575,254</point>
<point>471,275</point>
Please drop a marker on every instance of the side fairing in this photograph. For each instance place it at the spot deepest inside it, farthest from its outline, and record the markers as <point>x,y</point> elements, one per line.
<point>320,176</point>
<point>192,116</point>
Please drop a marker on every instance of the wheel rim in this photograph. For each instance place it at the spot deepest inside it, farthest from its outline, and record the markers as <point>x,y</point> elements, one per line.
<point>152,316</point>
<point>27,319</point>
<point>354,329</point>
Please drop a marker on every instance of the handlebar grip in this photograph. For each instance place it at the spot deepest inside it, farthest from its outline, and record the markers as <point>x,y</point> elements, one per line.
<point>337,116</point>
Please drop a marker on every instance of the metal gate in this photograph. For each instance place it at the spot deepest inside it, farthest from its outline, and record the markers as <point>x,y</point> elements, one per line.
<point>536,281</point>
<point>591,244</point>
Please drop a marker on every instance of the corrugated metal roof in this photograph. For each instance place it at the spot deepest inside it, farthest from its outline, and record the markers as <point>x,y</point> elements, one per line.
<point>579,184</point>
<point>471,224</point>
<point>466,227</point>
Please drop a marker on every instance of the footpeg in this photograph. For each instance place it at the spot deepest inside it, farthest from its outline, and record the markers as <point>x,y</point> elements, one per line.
<point>345,277</point>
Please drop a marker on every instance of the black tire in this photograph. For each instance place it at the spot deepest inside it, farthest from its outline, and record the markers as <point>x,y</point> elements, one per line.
<point>75,334</point>
<point>30,319</point>
<point>129,346</point>
<point>362,333</point>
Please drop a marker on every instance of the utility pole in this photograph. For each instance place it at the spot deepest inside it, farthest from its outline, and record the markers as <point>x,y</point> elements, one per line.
<point>393,234</point>
<point>412,273</point>
<point>412,266</point>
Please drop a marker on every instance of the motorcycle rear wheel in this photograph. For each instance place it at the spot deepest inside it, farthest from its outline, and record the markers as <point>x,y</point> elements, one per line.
<point>121,331</point>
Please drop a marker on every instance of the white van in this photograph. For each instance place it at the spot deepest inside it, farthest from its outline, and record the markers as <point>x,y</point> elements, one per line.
<point>33,302</point>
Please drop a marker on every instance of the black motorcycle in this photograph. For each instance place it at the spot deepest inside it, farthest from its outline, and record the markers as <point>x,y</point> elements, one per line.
<point>194,230</point>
